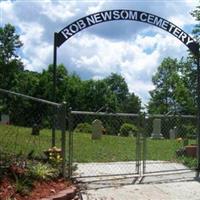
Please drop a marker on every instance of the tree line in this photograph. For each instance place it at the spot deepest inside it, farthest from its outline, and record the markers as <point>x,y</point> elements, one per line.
<point>110,93</point>
<point>175,83</point>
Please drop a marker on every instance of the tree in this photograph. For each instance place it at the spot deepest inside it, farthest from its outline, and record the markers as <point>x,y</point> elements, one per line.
<point>132,104</point>
<point>117,84</point>
<point>10,64</point>
<point>196,30</point>
<point>171,93</point>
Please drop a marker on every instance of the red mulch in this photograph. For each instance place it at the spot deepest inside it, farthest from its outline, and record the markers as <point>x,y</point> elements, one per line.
<point>40,189</point>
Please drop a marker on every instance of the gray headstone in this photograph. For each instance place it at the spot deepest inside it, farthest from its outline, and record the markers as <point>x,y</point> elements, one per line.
<point>172,134</point>
<point>97,129</point>
<point>5,119</point>
<point>156,134</point>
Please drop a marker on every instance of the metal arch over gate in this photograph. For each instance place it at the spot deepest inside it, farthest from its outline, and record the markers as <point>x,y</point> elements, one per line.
<point>131,15</point>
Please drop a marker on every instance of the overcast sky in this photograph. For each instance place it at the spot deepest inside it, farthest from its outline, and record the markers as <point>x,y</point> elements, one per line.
<point>129,48</point>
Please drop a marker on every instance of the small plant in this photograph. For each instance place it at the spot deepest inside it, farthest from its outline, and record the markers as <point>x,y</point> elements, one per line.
<point>23,185</point>
<point>127,129</point>
<point>83,128</point>
<point>42,171</point>
<point>19,173</point>
<point>189,162</point>
<point>54,156</point>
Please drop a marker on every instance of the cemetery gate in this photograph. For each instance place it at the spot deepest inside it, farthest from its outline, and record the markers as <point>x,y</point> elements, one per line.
<point>99,146</point>
<point>116,144</point>
<point>140,16</point>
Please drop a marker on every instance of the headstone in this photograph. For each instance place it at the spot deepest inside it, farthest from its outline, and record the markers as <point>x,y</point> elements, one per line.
<point>35,129</point>
<point>97,129</point>
<point>5,119</point>
<point>156,134</point>
<point>172,134</point>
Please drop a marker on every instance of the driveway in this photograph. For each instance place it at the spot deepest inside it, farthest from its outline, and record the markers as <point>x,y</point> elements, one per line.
<point>171,185</point>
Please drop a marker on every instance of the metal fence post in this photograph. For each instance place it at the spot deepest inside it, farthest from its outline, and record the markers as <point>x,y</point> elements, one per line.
<point>63,136</point>
<point>144,151</point>
<point>70,145</point>
<point>198,115</point>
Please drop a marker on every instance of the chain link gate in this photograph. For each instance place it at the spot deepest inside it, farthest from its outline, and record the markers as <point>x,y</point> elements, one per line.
<point>139,154</point>
<point>114,154</point>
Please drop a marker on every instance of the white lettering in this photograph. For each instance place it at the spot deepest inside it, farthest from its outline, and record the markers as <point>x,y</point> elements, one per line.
<point>73,28</point>
<point>106,16</point>
<point>133,15</point>
<point>143,17</point>
<point>176,31</point>
<point>165,24</point>
<point>189,40</point>
<point>66,33</point>
<point>98,18</point>
<point>158,22</point>
<point>90,20</point>
<point>183,36</point>
<point>81,24</point>
<point>124,14</point>
<point>171,27</point>
<point>116,15</point>
<point>150,19</point>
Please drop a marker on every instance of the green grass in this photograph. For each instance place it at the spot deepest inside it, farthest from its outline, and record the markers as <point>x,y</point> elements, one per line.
<point>110,148</point>
<point>18,140</point>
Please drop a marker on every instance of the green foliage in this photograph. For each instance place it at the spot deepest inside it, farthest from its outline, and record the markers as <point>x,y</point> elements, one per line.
<point>23,185</point>
<point>189,161</point>
<point>40,171</point>
<point>10,64</point>
<point>126,129</point>
<point>173,88</point>
<point>83,128</point>
<point>189,131</point>
<point>196,14</point>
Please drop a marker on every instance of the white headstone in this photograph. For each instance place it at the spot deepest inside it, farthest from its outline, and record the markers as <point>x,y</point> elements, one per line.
<point>156,134</point>
<point>5,119</point>
<point>97,129</point>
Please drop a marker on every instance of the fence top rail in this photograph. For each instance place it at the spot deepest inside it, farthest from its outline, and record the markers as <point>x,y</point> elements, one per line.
<point>105,114</point>
<point>131,114</point>
<point>168,116</point>
<point>29,97</point>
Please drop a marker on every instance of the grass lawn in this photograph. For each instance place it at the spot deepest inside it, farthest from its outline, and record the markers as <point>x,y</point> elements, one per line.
<point>110,148</point>
<point>16,140</point>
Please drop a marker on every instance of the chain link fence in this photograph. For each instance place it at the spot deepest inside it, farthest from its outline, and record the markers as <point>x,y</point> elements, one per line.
<point>100,142</point>
<point>26,130</point>
<point>170,143</point>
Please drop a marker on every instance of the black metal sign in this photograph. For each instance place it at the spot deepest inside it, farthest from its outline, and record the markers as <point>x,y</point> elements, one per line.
<point>133,15</point>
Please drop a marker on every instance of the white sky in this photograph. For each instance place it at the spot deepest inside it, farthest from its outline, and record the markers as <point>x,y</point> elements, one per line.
<point>129,48</point>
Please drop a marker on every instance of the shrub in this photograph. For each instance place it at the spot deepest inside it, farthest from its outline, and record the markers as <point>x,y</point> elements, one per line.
<point>83,128</point>
<point>127,129</point>
<point>42,171</point>
<point>189,131</point>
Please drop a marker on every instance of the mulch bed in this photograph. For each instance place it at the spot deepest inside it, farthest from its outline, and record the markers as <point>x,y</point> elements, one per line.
<point>40,189</point>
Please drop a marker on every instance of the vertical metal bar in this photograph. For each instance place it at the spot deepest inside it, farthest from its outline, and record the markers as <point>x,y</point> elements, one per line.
<point>54,88</point>
<point>138,146</point>
<point>144,145</point>
<point>63,137</point>
<point>70,145</point>
<point>198,117</point>
<point>137,154</point>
